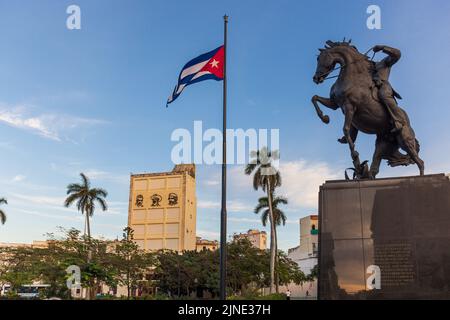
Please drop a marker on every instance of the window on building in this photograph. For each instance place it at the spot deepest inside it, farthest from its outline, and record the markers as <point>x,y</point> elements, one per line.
<point>314,229</point>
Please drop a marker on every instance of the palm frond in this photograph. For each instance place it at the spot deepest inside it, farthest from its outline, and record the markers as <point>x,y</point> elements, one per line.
<point>71,199</point>
<point>265,217</point>
<point>279,200</point>
<point>90,208</point>
<point>74,187</point>
<point>249,168</point>
<point>83,203</point>
<point>98,192</point>
<point>279,217</point>
<point>103,203</point>
<point>257,179</point>
<point>2,217</point>
<point>283,217</point>
<point>85,179</point>
<point>262,203</point>
<point>278,179</point>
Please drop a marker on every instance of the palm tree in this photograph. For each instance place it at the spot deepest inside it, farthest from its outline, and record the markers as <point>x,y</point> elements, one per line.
<point>86,198</point>
<point>279,215</point>
<point>279,218</point>
<point>267,178</point>
<point>2,213</point>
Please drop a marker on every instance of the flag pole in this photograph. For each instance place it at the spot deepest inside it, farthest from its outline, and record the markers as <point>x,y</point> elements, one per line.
<point>223,212</point>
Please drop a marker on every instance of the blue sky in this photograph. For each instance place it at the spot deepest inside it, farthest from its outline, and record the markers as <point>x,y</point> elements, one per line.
<point>93,100</point>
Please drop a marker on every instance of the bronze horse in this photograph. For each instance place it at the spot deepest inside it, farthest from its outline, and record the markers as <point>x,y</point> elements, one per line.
<point>356,94</point>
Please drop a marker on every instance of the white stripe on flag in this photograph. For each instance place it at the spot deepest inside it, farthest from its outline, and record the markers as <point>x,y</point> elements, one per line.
<point>180,88</point>
<point>198,75</point>
<point>193,69</point>
<point>176,91</point>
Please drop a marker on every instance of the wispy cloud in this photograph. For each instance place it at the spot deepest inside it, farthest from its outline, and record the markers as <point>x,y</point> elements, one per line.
<point>57,203</point>
<point>301,181</point>
<point>211,235</point>
<point>40,200</point>
<point>48,125</point>
<point>106,175</point>
<point>239,206</point>
<point>202,204</point>
<point>73,169</point>
<point>212,182</point>
<point>52,216</point>
<point>19,178</point>
<point>34,124</point>
<point>232,205</point>
<point>248,220</point>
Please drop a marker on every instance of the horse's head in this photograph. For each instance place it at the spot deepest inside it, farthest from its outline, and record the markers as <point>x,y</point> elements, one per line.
<point>329,57</point>
<point>325,64</point>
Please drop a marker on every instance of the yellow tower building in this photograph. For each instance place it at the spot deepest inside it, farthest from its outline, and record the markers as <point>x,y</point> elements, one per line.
<point>257,238</point>
<point>163,209</point>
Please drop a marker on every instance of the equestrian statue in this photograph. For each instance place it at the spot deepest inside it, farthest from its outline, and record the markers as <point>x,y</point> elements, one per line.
<point>363,92</point>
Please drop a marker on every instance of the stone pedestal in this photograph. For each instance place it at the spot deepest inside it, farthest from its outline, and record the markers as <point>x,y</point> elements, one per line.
<point>385,238</point>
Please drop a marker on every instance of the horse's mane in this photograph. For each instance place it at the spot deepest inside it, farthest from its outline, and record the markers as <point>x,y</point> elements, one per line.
<point>348,44</point>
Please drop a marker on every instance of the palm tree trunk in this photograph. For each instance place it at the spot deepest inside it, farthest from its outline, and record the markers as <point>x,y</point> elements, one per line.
<point>277,275</point>
<point>89,290</point>
<point>88,225</point>
<point>272,237</point>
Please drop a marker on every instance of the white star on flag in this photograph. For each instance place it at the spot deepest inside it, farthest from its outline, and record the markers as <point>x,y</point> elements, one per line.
<point>214,63</point>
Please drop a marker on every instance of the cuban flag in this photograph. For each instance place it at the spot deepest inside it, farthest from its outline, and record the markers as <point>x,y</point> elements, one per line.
<point>207,66</point>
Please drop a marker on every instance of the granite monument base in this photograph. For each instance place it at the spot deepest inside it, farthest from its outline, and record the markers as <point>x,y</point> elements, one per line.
<point>385,238</point>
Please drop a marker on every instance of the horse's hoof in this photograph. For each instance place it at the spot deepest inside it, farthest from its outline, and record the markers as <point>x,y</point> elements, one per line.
<point>326,119</point>
<point>342,140</point>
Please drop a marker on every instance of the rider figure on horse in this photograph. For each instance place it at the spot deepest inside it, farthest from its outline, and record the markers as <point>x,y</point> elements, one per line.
<point>386,93</point>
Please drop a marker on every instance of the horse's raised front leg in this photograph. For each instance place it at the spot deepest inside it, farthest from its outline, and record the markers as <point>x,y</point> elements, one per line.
<point>327,103</point>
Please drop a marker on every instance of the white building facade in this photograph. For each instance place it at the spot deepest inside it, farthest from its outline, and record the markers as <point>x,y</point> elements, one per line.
<point>305,255</point>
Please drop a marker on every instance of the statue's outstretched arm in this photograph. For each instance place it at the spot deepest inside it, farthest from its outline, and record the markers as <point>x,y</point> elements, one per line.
<point>393,54</point>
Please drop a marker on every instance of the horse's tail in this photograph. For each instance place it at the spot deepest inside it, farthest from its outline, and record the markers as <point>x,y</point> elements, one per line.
<point>416,142</point>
